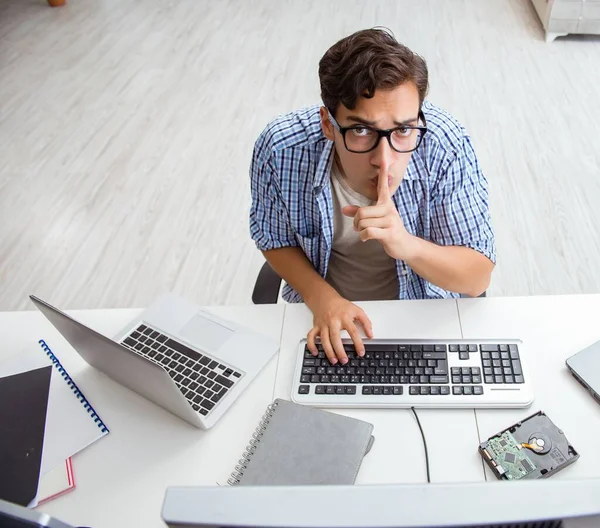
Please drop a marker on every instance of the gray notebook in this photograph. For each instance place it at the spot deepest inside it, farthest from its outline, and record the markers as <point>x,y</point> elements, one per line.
<point>296,445</point>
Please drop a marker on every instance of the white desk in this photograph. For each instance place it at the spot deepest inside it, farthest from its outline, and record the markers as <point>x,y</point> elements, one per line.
<point>121,479</point>
<point>554,328</point>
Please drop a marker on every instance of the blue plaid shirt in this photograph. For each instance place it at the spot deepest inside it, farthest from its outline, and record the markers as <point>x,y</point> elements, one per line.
<point>443,197</point>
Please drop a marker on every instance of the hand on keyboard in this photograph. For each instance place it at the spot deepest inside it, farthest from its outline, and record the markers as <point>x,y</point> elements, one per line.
<point>333,314</point>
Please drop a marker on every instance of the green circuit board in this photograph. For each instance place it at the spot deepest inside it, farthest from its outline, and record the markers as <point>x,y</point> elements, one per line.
<point>512,460</point>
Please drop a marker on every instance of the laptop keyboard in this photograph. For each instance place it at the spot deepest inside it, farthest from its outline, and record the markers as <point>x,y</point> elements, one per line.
<point>389,369</point>
<point>201,379</point>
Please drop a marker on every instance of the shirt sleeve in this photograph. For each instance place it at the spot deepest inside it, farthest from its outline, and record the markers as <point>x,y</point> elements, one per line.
<point>460,210</point>
<point>269,220</point>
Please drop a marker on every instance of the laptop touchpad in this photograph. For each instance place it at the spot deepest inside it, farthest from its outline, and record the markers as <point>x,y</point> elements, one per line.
<point>205,334</point>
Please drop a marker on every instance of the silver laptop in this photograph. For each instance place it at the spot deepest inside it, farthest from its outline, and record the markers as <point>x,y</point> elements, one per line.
<point>585,366</point>
<point>420,373</point>
<point>182,358</point>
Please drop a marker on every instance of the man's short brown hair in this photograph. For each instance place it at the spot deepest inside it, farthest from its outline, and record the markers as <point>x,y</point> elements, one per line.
<point>366,61</point>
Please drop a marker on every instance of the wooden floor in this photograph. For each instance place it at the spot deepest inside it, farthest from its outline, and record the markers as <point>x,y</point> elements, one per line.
<point>126,131</point>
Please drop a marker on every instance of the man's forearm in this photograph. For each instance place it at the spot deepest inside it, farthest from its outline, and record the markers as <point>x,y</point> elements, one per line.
<point>292,265</point>
<point>454,268</point>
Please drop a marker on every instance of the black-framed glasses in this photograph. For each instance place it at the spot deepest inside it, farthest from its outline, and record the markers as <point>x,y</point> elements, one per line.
<point>363,138</point>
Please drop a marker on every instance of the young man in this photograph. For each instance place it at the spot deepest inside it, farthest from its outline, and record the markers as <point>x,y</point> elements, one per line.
<point>375,195</point>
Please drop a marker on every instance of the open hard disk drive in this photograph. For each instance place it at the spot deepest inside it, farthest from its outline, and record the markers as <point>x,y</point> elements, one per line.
<point>530,449</point>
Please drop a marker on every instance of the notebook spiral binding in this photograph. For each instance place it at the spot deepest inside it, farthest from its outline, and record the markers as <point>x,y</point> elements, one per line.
<point>238,472</point>
<point>73,386</point>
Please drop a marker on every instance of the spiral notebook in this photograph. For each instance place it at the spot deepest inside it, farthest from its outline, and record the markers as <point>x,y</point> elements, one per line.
<point>299,445</point>
<point>68,425</point>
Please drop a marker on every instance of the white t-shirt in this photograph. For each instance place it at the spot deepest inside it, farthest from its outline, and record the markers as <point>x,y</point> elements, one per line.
<point>359,271</point>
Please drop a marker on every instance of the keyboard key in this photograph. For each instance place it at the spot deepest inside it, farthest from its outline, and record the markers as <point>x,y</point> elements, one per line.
<point>463,348</point>
<point>440,348</point>
<point>182,349</point>
<point>303,389</point>
<point>414,379</point>
<point>486,362</point>
<point>434,355</point>
<point>504,355</point>
<point>320,389</point>
<point>468,391</point>
<point>367,390</point>
<point>478,390</point>
<point>202,411</point>
<point>428,348</point>
<point>387,391</point>
<point>519,379</point>
<point>495,355</point>
<point>457,389</point>
<point>508,379</point>
<point>453,348</point>
<point>315,378</point>
<point>516,367</point>
<point>506,363</point>
<point>187,372</point>
<point>131,342</point>
<point>435,390</point>
<point>197,408</point>
<point>445,390</point>
<point>330,389</point>
<point>486,355</point>
<point>377,390</point>
<point>162,348</point>
<point>456,371</point>
<point>339,389</point>
<point>497,371</point>
<point>466,379</point>
<point>310,362</point>
<point>488,371</point>
<point>224,381</point>
<point>424,391</point>
<point>423,379</point>
<point>476,379</point>
<point>488,348</point>
<point>237,375</point>
<point>507,371</point>
<point>489,379</point>
<point>207,404</point>
<point>498,379</point>
<point>456,379</point>
<point>208,383</point>
<point>472,348</point>
<point>413,391</point>
<point>178,378</point>
<point>178,368</point>
<point>193,385</point>
<point>397,391</point>
<point>438,379</point>
<point>212,365</point>
<point>350,389</point>
<point>463,355</point>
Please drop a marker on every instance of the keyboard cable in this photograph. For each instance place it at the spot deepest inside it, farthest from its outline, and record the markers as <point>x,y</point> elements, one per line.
<point>424,443</point>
